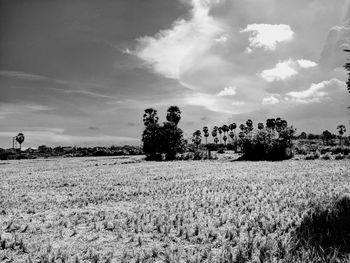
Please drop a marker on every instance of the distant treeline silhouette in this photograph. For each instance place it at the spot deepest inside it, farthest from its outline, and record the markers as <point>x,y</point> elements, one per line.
<point>44,151</point>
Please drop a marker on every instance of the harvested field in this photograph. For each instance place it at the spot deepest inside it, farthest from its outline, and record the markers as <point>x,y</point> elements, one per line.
<point>128,210</point>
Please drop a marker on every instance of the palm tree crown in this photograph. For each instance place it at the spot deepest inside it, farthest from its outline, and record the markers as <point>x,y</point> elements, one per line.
<point>150,117</point>
<point>173,114</point>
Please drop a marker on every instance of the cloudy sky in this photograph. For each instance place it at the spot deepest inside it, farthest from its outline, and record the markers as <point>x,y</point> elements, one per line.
<point>82,72</point>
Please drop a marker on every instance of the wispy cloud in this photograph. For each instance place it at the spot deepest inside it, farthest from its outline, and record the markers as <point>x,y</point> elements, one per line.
<point>14,108</point>
<point>22,75</point>
<point>267,36</point>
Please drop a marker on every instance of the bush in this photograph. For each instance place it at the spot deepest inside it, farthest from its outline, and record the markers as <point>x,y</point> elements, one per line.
<point>303,150</point>
<point>197,155</point>
<point>326,229</point>
<point>326,156</point>
<point>339,156</point>
<point>313,156</point>
<point>221,151</point>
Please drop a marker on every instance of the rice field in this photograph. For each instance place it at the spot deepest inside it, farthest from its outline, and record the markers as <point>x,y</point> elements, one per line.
<point>127,210</point>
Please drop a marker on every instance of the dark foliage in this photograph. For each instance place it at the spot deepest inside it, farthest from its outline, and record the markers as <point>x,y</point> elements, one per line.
<point>163,141</point>
<point>326,229</point>
<point>46,152</point>
<point>271,143</point>
<point>173,114</point>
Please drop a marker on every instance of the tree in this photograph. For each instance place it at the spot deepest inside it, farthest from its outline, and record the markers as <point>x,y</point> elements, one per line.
<point>249,124</point>
<point>225,138</point>
<point>225,129</point>
<point>173,114</point>
<point>151,138</point>
<point>150,117</point>
<point>243,128</point>
<point>206,134</point>
<point>326,136</point>
<point>220,132</point>
<point>216,140</point>
<point>232,135</point>
<point>20,139</point>
<point>303,135</point>
<point>172,141</point>
<point>197,138</point>
<point>214,133</point>
<point>270,124</point>
<point>341,130</point>
<point>260,125</point>
<point>164,139</point>
<point>347,68</point>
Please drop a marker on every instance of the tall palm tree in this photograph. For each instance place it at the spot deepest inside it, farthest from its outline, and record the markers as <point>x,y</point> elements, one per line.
<point>249,124</point>
<point>216,140</point>
<point>270,124</point>
<point>220,132</point>
<point>206,134</point>
<point>214,133</point>
<point>242,128</point>
<point>232,135</point>
<point>225,129</point>
<point>341,130</point>
<point>173,114</point>
<point>197,138</point>
<point>20,139</point>
<point>347,68</point>
<point>224,138</point>
<point>150,117</point>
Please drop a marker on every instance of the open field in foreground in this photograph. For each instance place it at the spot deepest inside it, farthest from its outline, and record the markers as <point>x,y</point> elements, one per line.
<point>129,210</point>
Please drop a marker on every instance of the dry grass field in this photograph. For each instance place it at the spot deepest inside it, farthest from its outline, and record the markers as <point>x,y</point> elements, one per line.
<point>123,209</point>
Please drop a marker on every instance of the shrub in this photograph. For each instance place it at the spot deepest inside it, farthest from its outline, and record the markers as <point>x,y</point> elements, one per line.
<point>326,156</point>
<point>339,156</point>
<point>313,156</point>
<point>326,229</point>
<point>197,155</point>
<point>221,150</point>
<point>303,150</point>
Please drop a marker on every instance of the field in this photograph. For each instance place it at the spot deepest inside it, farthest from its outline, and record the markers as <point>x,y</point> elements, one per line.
<point>127,210</point>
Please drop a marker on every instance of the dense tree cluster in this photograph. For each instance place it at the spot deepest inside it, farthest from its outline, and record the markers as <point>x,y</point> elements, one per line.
<point>162,141</point>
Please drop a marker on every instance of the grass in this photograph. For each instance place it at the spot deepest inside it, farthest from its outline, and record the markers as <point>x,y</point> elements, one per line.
<point>128,210</point>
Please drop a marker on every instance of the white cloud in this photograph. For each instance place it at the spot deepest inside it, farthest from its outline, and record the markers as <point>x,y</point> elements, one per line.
<point>171,52</point>
<point>315,93</point>
<point>237,103</point>
<point>286,69</point>
<point>282,70</point>
<point>223,38</point>
<point>270,100</point>
<point>227,91</point>
<point>304,63</point>
<point>267,36</point>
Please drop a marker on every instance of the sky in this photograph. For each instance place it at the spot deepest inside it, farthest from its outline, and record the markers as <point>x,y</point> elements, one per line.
<point>82,72</point>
